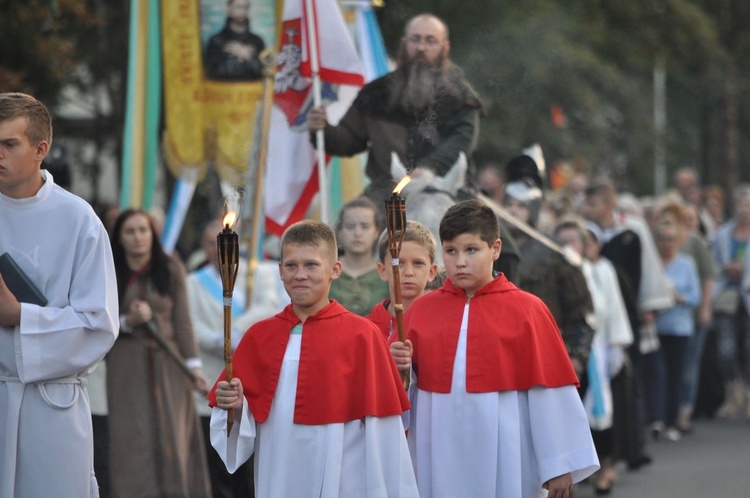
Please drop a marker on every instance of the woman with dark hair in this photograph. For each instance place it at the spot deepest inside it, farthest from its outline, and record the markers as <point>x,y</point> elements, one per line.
<point>156,444</point>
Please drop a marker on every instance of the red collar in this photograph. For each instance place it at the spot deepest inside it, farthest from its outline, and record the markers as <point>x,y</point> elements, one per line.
<point>345,369</point>
<point>513,342</point>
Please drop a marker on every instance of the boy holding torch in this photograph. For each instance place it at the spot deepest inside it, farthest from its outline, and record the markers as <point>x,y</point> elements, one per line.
<point>315,394</point>
<point>417,267</point>
<point>496,412</point>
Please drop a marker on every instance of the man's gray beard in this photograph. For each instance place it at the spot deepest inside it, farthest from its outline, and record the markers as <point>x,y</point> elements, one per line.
<point>418,91</point>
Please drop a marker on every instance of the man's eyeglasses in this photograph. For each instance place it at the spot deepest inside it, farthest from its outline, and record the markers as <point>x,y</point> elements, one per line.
<point>429,41</point>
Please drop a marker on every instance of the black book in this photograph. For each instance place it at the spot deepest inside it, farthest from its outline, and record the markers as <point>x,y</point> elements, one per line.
<point>19,283</point>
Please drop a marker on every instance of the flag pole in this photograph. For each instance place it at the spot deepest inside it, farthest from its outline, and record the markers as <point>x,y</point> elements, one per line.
<point>312,44</point>
<point>269,61</point>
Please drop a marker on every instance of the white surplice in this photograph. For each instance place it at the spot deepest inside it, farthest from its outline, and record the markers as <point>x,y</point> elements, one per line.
<point>46,445</point>
<point>359,459</point>
<point>613,332</point>
<point>498,444</point>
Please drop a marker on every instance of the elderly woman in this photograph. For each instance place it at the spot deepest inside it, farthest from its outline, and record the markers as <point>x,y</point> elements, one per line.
<point>674,325</point>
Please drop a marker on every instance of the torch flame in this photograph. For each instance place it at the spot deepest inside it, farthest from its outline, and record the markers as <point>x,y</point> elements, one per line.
<point>404,181</point>
<point>229,219</point>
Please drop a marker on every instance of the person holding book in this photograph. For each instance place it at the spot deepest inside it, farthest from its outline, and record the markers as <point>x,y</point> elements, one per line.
<point>47,352</point>
<point>315,394</point>
<point>495,407</point>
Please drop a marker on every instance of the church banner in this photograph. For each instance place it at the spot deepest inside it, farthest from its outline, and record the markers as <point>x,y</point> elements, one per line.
<point>213,82</point>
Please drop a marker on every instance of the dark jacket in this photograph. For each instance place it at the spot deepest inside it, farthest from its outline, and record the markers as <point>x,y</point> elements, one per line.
<point>562,287</point>
<point>431,139</point>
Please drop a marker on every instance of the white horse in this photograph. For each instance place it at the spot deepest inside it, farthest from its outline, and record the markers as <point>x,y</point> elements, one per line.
<point>428,196</point>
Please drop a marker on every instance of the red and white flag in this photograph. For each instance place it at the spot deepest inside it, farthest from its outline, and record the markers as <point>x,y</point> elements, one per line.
<point>291,175</point>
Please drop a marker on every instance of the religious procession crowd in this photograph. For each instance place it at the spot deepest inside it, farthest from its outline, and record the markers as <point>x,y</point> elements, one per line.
<point>532,340</point>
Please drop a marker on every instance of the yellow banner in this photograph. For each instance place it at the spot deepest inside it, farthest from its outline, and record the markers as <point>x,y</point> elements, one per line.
<point>212,82</point>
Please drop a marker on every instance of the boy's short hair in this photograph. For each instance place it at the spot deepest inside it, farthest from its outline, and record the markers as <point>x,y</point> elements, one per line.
<point>310,232</point>
<point>18,105</point>
<point>415,232</point>
<point>472,216</point>
<point>357,202</point>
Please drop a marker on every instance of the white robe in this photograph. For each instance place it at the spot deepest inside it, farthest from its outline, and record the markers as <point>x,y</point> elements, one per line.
<point>359,459</point>
<point>46,445</point>
<point>499,444</point>
<point>613,332</point>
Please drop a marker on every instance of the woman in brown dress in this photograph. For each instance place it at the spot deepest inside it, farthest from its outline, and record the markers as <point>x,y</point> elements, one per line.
<point>156,444</point>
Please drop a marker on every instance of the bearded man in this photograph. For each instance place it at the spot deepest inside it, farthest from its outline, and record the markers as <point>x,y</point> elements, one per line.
<point>425,111</point>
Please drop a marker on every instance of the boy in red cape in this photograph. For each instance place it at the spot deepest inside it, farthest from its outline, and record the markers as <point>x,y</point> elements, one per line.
<point>496,412</point>
<point>417,269</point>
<point>315,393</point>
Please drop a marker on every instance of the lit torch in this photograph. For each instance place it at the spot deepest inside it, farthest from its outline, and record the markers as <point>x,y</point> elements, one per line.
<point>228,246</point>
<point>395,207</point>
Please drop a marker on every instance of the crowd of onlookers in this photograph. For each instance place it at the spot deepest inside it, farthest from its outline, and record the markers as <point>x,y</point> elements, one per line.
<point>649,295</point>
<point>672,334</point>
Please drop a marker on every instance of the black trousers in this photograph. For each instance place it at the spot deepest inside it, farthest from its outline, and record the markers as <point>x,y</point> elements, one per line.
<point>223,484</point>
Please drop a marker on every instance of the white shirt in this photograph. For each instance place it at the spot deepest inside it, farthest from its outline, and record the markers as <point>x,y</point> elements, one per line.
<point>613,332</point>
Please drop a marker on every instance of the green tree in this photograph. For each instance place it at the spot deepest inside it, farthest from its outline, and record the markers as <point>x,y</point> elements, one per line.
<point>53,49</point>
<point>726,109</point>
<point>38,46</point>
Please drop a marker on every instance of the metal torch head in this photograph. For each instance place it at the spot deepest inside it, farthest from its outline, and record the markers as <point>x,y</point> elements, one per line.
<point>395,207</point>
<point>228,245</point>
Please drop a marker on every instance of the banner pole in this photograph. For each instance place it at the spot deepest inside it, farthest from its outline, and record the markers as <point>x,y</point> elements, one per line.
<point>312,45</point>
<point>269,67</point>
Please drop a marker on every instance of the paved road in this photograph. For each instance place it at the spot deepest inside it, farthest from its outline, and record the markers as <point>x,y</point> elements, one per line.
<point>712,462</point>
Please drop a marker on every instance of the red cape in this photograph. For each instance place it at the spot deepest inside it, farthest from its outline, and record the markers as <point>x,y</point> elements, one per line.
<point>383,320</point>
<point>345,369</point>
<point>513,342</point>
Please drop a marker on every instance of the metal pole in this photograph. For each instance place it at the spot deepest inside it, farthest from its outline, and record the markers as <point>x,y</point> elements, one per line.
<point>660,125</point>
<point>312,45</point>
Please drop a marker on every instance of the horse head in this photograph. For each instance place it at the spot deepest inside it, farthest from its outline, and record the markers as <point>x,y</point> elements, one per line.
<point>429,196</point>
<point>453,180</point>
